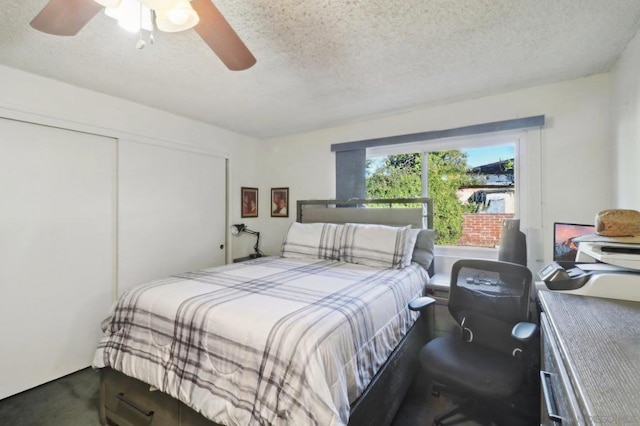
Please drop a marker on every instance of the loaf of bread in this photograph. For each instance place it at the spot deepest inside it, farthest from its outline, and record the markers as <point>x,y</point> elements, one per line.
<point>618,223</point>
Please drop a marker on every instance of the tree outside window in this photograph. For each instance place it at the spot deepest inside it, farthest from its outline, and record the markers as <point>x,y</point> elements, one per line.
<point>400,176</point>
<point>473,187</point>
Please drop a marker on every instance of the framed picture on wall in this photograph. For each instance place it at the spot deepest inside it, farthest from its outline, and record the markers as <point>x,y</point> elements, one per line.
<point>249,199</point>
<point>279,202</point>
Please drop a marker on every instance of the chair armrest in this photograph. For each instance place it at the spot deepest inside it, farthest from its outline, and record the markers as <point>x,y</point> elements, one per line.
<point>524,331</point>
<point>427,308</point>
<point>421,303</point>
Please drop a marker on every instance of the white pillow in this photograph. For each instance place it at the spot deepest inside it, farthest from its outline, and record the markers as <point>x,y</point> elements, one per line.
<point>375,245</point>
<point>312,241</point>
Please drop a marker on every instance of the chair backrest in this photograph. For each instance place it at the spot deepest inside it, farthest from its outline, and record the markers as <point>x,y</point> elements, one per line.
<point>487,298</point>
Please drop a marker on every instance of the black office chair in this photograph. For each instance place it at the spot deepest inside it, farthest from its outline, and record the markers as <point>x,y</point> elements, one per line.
<point>488,363</point>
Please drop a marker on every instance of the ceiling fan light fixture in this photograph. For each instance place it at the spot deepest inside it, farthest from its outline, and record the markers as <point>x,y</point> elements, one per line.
<point>179,18</point>
<point>68,17</point>
<point>109,3</point>
<point>159,5</point>
<point>131,16</point>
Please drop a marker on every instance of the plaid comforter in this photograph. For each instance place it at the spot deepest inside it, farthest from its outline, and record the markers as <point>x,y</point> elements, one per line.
<point>272,341</point>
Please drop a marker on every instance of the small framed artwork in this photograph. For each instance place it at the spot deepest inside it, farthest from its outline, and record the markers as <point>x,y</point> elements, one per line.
<point>279,202</point>
<point>249,202</point>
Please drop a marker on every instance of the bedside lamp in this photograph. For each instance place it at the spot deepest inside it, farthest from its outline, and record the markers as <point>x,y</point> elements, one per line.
<point>240,228</point>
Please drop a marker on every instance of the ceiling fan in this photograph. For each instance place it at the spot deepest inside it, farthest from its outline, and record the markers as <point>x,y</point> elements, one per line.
<point>68,17</point>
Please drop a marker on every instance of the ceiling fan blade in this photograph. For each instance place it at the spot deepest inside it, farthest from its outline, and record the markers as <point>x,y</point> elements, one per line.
<point>65,17</point>
<point>221,38</point>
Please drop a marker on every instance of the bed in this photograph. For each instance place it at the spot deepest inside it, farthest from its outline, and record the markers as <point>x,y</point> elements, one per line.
<point>320,335</point>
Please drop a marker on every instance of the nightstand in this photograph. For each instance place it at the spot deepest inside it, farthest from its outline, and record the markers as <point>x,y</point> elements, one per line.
<point>244,259</point>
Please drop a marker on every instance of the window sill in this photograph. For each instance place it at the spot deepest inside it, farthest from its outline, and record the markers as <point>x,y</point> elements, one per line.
<point>446,256</point>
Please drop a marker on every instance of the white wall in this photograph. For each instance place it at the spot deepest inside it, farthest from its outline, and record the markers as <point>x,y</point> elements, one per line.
<point>37,99</point>
<point>625,125</point>
<point>305,164</point>
<point>575,157</point>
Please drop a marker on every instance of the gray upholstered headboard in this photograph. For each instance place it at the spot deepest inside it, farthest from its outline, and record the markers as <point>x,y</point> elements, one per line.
<point>396,212</point>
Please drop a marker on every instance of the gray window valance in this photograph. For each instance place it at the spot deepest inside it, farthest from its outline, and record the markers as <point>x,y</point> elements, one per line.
<point>351,156</point>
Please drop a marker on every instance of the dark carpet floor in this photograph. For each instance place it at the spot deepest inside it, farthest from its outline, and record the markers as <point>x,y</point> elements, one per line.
<point>69,401</point>
<point>73,400</point>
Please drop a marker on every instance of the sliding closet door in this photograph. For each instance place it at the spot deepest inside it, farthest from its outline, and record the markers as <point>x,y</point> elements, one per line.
<point>171,212</point>
<point>57,243</point>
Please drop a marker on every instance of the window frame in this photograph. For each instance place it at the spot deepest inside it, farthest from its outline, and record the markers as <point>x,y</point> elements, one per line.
<point>351,167</point>
<point>517,138</point>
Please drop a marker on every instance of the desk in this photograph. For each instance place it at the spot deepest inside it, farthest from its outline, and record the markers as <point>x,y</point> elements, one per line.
<point>591,351</point>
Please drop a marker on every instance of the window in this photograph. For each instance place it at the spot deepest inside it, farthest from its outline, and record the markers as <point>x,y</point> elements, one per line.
<point>472,180</point>
<point>524,133</point>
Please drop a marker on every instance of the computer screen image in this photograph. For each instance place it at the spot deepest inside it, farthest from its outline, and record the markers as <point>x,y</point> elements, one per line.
<point>564,248</point>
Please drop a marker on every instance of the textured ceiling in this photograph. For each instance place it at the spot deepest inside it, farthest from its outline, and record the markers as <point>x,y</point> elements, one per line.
<point>323,63</point>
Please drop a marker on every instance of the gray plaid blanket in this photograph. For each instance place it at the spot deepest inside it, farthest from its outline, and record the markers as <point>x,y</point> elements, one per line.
<point>272,341</point>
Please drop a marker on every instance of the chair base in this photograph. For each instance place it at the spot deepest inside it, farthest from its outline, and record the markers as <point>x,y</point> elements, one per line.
<point>462,406</point>
<point>512,412</point>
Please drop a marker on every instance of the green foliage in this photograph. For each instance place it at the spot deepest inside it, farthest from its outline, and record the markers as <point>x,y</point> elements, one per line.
<point>508,165</point>
<point>400,177</point>
<point>447,173</point>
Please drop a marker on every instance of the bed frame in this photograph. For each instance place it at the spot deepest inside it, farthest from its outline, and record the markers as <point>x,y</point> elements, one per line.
<point>126,401</point>
<point>400,211</point>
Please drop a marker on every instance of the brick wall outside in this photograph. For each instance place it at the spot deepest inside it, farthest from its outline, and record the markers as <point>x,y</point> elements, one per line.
<point>482,229</point>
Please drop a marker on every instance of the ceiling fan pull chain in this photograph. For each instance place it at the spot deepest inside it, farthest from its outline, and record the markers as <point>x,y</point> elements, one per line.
<point>152,39</point>
<point>140,44</point>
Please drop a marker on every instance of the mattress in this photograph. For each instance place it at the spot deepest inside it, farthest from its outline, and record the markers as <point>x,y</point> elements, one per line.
<point>271,341</point>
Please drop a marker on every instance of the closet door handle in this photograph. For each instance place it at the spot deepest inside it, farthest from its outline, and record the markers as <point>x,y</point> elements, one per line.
<point>545,379</point>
